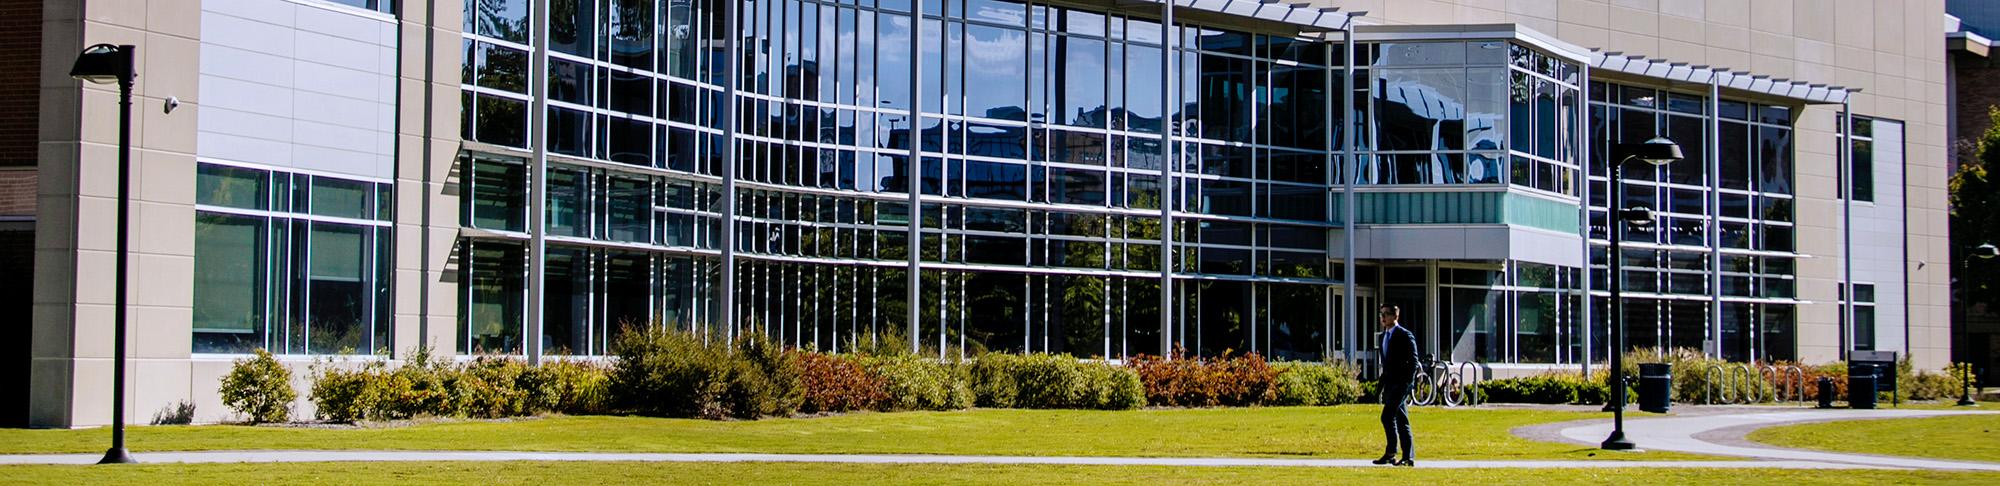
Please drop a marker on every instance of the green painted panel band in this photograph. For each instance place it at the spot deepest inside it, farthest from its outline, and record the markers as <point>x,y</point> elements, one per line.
<point>1542,213</point>
<point>1461,207</point>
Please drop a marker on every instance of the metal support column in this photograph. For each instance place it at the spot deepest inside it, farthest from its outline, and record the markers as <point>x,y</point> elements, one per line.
<point>1584,311</point>
<point>1350,327</point>
<point>913,283</point>
<point>1846,131</point>
<point>732,67</point>
<point>1713,149</point>
<point>1170,159</point>
<point>538,182</point>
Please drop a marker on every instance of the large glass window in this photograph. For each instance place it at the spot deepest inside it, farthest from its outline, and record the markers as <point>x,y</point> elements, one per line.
<point>310,275</point>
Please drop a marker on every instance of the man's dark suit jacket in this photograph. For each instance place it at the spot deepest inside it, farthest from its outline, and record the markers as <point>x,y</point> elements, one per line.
<point>1399,361</point>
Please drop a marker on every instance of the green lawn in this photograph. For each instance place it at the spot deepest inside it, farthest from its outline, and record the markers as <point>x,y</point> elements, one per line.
<point>1336,432</point>
<point>594,474</point>
<point>1967,437</point>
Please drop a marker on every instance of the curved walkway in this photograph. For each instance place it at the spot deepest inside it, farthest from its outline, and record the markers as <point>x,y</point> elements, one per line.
<point>1720,432</point>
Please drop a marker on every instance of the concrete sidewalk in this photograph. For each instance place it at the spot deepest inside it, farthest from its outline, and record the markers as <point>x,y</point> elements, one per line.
<point>353,456</point>
<point>1721,434</point>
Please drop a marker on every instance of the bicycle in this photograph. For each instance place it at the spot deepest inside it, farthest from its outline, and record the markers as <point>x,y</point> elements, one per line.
<point>1435,383</point>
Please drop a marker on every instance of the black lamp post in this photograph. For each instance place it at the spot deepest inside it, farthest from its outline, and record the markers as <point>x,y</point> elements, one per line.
<point>106,64</point>
<point>1983,252</point>
<point>1658,151</point>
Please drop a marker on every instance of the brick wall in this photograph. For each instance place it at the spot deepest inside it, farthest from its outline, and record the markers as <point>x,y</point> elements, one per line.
<point>20,69</point>
<point>1978,90</point>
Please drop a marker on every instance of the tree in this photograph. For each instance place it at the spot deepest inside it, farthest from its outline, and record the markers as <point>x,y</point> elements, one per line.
<point>1975,220</point>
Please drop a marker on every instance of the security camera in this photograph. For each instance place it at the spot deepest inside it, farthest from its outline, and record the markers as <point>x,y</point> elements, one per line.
<point>172,102</point>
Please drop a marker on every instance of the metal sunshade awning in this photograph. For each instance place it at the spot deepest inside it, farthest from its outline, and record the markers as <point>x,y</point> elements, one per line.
<point>1722,77</point>
<point>1302,15</point>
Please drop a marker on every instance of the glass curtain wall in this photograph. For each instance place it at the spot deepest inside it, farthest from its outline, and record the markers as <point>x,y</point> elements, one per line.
<point>1042,151</point>
<point>1745,196</point>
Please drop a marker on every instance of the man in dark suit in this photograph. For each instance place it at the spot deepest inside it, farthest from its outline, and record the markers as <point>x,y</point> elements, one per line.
<point>1399,367</point>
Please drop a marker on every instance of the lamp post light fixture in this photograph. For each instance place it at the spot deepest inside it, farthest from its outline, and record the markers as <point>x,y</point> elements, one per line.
<point>1658,151</point>
<point>106,64</point>
<point>1984,251</point>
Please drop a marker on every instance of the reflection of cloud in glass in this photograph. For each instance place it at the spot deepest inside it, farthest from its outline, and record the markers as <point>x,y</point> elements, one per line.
<point>1005,55</point>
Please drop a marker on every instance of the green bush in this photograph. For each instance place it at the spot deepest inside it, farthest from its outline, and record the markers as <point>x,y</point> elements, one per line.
<point>764,379</point>
<point>1316,384</point>
<point>260,388</point>
<point>915,383</point>
<point>993,379</point>
<point>1560,387</point>
<point>486,387</point>
<point>1915,384</point>
<point>672,373</point>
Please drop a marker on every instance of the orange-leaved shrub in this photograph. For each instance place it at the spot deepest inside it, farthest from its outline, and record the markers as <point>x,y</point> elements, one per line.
<point>835,383</point>
<point>1189,381</point>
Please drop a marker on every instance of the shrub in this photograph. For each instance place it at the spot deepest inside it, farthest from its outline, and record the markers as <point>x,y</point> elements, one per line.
<point>568,387</point>
<point>1545,388</point>
<point>1207,382</point>
<point>915,383</point>
<point>1914,384</point>
<point>668,374</point>
<point>832,383</point>
<point>763,379</point>
<point>1054,381</point>
<point>259,388</point>
<point>993,380</point>
<point>1314,384</point>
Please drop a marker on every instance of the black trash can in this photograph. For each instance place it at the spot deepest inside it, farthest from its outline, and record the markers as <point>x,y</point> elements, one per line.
<point>1656,387</point>
<point>1826,392</point>
<point>1861,387</point>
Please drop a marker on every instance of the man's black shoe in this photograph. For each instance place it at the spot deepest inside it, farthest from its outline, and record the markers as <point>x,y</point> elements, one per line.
<point>1407,463</point>
<point>1385,460</point>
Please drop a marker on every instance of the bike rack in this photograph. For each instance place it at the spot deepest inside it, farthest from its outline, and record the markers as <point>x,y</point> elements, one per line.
<point>1472,393</point>
<point>1739,375</point>
<point>1718,390</point>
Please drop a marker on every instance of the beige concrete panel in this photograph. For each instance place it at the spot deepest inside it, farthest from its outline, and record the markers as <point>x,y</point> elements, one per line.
<point>1809,51</point>
<point>1734,13</point>
<point>1774,16</point>
<point>410,109</point>
<point>1890,30</point>
<point>1584,35</point>
<point>54,289</point>
<point>170,65</point>
<point>205,385</point>
<point>163,280</point>
<point>454,18</point>
<point>408,331</point>
<point>409,201</point>
<point>164,177</point>
<point>1856,58</point>
<point>100,117</point>
<point>1646,5</point>
<point>1682,29</point>
<point>1683,51</point>
<point>94,270</point>
<point>1686,9</point>
<point>1537,24</point>
<point>1633,22</point>
<point>444,117</point>
<point>1773,66</point>
<point>159,385</point>
<point>409,160</point>
<point>164,229</point>
<point>49,395</point>
<point>52,337</point>
<point>90,395</point>
<point>1772,45</point>
<point>1812,19</point>
<point>1633,43</point>
<point>1728,58</point>
<point>446,58</point>
<point>1587,12</point>
<point>97,227</point>
<point>127,13</point>
<point>1853,22</point>
<point>1475,15</point>
<point>173,18</point>
<point>1728,37</point>
<point>173,132</point>
<point>162,332</point>
<point>1547,9</point>
<point>412,56</point>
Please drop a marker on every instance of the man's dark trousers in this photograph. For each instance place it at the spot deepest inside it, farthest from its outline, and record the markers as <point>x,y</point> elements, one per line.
<point>1396,419</point>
